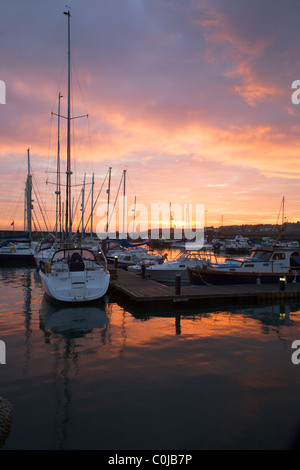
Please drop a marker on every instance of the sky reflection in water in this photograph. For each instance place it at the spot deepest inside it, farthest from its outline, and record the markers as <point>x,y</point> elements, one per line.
<point>104,377</point>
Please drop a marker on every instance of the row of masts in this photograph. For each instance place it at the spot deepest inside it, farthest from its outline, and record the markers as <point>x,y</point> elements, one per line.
<point>68,208</point>
<point>67,230</point>
<point>59,230</point>
<point>59,210</point>
<point>69,211</point>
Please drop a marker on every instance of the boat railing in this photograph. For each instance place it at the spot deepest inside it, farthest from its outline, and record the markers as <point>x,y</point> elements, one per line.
<point>63,265</point>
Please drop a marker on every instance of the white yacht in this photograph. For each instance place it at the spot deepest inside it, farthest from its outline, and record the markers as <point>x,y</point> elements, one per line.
<point>131,258</point>
<point>264,265</point>
<point>238,245</point>
<point>138,268</point>
<point>166,272</point>
<point>75,275</point>
<point>17,254</point>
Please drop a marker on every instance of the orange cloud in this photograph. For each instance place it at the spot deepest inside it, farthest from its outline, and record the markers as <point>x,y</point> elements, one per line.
<point>187,99</point>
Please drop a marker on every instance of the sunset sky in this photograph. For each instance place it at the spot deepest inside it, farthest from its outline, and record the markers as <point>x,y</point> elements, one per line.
<point>191,97</point>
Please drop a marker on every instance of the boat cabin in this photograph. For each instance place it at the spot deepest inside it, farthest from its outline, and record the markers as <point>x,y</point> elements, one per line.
<point>287,256</point>
<point>73,254</point>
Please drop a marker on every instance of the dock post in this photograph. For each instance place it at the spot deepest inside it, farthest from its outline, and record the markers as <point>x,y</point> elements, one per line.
<point>116,262</point>
<point>143,271</point>
<point>177,284</point>
<point>104,247</point>
<point>282,281</point>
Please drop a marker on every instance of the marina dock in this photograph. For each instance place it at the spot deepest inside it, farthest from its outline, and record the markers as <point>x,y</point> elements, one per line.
<point>146,291</point>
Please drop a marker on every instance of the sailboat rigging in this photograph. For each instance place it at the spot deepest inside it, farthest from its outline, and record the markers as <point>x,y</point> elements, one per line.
<point>58,227</point>
<point>68,173</point>
<point>20,254</point>
<point>74,273</point>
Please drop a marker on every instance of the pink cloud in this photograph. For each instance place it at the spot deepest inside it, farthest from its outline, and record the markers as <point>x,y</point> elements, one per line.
<point>193,98</point>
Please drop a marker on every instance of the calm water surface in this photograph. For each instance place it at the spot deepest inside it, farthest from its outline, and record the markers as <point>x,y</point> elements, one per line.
<point>107,377</point>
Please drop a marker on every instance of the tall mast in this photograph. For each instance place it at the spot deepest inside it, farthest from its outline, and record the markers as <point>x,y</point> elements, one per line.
<point>134,212</point>
<point>124,192</point>
<point>92,205</point>
<point>28,196</point>
<point>108,197</point>
<point>82,207</point>
<point>57,192</point>
<point>69,172</point>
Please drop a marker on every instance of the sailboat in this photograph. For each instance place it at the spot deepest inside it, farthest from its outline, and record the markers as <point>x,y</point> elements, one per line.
<point>74,273</point>
<point>18,251</point>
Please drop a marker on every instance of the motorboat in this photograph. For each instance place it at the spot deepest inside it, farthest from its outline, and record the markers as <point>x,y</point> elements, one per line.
<point>238,245</point>
<point>264,265</point>
<point>132,254</point>
<point>125,255</point>
<point>117,251</point>
<point>166,272</point>
<point>131,258</point>
<point>17,254</point>
<point>138,268</point>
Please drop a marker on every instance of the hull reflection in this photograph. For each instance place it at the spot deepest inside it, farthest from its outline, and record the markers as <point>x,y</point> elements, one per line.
<point>83,319</point>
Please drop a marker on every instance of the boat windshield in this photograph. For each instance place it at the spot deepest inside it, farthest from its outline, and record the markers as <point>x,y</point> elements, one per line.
<point>261,254</point>
<point>182,256</point>
<point>67,254</point>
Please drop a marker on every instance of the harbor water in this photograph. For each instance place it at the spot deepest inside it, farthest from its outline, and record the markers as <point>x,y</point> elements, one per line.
<point>112,377</point>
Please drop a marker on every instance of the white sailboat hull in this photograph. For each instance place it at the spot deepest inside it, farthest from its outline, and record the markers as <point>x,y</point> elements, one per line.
<point>75,287</point>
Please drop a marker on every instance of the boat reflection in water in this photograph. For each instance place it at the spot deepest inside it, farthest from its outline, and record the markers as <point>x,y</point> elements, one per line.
<point>74,335</point>
<point>75,319</point>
